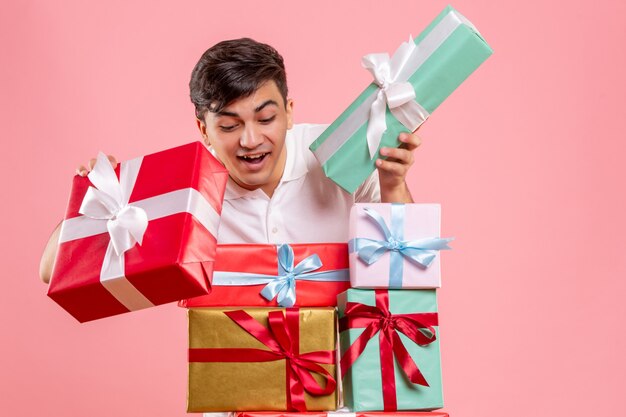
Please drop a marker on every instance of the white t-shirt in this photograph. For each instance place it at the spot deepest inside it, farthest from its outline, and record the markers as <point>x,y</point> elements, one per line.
<point>306,207</point>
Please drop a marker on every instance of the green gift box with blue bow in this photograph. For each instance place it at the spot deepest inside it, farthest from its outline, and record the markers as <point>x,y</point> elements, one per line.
<point>407,88</point>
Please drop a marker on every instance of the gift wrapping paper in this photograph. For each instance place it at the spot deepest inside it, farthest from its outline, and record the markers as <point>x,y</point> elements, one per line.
<point>268,275</point>
<point>141,235</point>
<point>237,359</point>
<point>390,358</point>
<point>395,245</point>
<point>406,89</point>
<point>343,414</point>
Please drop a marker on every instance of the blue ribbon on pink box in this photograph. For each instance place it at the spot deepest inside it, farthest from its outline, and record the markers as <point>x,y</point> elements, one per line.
<point>422,252</point>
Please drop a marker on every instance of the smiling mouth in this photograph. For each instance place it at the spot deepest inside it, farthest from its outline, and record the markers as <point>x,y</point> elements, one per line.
<point>253,159</point>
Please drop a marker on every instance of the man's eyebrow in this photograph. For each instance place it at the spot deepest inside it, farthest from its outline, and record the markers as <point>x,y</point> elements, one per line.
<point>256,110</point>
<point>265,104</point>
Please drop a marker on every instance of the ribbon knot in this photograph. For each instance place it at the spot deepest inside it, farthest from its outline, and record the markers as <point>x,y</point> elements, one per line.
<point>393,244</point>
<point>283,287</point>
<point>395,92</point>
<point>108,201</point>
<point>418,327</point>
<point>387,323</point>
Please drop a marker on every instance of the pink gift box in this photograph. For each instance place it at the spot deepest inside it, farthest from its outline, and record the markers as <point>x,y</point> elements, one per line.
<point>415,225</point>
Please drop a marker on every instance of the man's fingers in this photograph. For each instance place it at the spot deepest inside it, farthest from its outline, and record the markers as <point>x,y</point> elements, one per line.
<point>83,171</point>
<point>112,160</point>
<point>394,168</point>
<point>404,156</point>
<point>410,141</point>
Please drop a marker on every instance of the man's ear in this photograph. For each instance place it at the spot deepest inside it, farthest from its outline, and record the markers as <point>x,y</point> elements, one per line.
<point>289,110</point>
<point>202,127</point>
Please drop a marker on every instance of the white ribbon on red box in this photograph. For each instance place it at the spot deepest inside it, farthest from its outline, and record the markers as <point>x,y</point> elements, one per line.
<point>105,208</point>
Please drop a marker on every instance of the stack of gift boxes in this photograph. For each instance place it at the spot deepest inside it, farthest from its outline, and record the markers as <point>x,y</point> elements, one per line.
<point>249,354</point>
<point>301,328</point>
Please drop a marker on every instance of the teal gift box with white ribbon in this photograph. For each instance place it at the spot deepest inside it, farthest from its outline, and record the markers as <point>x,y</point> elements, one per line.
<point>395,245</point>
<point>407,88</point>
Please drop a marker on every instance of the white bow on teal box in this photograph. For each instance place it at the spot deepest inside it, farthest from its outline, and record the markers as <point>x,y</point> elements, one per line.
<point>407,88</point>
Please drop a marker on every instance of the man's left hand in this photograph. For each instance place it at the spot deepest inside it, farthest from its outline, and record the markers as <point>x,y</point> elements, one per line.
<point>392,171</point>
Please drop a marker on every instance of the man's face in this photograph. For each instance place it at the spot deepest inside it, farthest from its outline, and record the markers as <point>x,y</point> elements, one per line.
<point>248,137</point>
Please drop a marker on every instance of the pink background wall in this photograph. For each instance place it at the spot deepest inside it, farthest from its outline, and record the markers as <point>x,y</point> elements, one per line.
<point>526,158</point>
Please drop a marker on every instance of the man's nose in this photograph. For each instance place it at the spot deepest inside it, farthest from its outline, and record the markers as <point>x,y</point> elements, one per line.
<point>250,137</point>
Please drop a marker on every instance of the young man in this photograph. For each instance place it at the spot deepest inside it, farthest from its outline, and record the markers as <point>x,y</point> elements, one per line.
<point>277,191</point>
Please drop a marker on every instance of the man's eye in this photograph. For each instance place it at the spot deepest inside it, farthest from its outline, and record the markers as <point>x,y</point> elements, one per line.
<point>268,120</point>
<point>228,128</point>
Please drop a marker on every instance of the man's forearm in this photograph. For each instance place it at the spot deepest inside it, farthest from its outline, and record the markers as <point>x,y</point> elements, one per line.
<point>49,253</point>
<point>397,195</point>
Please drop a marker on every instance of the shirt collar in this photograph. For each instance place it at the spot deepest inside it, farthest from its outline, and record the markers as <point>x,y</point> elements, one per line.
<point>295,167</point>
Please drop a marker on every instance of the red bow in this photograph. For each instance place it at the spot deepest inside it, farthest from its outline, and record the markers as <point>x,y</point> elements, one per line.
<point>283,339</point>
<point>416,326</point>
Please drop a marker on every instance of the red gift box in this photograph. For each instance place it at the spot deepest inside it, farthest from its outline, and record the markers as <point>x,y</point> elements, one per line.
<point>139,236</point>
<point>242,273</point>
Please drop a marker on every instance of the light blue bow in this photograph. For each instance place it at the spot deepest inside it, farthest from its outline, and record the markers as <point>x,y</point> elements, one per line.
<point>283,286</point>
<point>420,251</point>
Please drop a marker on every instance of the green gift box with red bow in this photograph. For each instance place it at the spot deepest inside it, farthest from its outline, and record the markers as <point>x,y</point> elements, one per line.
<point>390,358</point>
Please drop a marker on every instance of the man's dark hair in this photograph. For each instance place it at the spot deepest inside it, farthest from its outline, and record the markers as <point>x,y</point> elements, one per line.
<point>234,69</point>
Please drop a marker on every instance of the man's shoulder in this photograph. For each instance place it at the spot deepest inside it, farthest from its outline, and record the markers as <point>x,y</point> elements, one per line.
<point>306,133</point>
<point>299,138</point>
<point>302,137</point>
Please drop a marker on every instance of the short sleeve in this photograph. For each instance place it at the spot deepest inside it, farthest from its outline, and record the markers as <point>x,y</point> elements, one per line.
<point>369,191</point>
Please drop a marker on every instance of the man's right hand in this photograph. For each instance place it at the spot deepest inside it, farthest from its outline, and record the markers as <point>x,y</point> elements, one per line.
<point>84,170</point>
<point>50,252</point>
